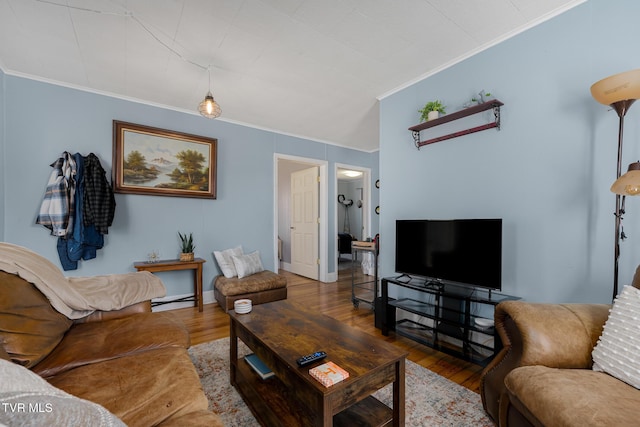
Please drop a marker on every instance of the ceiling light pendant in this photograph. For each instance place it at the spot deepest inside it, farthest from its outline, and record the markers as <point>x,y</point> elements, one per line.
<point>209,108</point>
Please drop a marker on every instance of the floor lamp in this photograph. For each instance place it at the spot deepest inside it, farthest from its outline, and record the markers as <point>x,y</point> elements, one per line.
<point>618,91</point>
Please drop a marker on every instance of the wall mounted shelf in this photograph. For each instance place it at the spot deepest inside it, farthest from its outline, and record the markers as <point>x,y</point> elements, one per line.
<point>492,104</point>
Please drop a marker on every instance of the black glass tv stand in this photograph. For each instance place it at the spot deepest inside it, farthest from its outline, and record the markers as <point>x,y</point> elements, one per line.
<point>456,320</point>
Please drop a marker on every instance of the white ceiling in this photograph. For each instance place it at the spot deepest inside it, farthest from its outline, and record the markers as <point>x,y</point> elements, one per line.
<point>310,68</point>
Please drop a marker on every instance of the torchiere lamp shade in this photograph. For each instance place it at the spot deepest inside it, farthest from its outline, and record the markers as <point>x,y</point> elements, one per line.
<point>629,183</point>
<point>618,87</point>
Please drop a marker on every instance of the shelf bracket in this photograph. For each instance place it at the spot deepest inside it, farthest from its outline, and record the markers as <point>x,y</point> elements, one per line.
<point>416,138</point>
<point>496,115</point>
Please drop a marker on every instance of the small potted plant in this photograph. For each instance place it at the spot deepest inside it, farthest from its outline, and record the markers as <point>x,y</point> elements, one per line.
<point>432,110</point>
<point>187,247</point>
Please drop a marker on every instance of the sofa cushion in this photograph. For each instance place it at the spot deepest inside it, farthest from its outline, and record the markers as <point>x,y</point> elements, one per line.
<point>617,350</point>
<point>28,400</point>
<point>265,280</point>
<point>248,264</point>
<point>566,397</point>
<point>30,328</point>
<point>143,389</point>
<point>225,262</point>
<point>92,342</point>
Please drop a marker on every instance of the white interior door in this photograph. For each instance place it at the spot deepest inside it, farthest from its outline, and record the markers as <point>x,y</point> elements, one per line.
<point>304,222</point>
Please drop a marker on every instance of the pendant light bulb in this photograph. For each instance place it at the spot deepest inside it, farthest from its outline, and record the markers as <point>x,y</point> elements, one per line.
<point>209,108</point>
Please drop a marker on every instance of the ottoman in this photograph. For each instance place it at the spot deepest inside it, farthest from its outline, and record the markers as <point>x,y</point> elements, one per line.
<point>265,286</point>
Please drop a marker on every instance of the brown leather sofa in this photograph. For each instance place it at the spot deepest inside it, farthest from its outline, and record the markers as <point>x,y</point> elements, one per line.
<point>132,362</point>
<point>543,375</point>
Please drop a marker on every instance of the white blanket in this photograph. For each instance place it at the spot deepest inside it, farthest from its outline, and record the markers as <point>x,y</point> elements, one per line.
<point>77,297</point>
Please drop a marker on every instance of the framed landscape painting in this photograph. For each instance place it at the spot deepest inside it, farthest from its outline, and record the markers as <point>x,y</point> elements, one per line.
<point>161,162</point>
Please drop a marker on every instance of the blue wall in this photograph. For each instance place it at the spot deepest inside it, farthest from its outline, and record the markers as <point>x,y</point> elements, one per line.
<point>43,120</point>
<point>547,173</point>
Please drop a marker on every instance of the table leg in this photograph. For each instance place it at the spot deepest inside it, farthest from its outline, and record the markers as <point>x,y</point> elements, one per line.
<point>198,290</point>
<point>233,352</point>
<point>398,395</point>
<point>327,416</point>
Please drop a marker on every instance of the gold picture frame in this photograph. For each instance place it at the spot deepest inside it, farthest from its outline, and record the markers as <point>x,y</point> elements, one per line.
<point>160,162</point>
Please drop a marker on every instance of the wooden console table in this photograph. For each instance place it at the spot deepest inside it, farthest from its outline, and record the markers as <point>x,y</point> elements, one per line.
<point>175,265</point>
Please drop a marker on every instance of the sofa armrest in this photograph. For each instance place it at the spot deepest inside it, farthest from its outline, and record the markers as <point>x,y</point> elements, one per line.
<point>98,315</point>
<point>553,335</point>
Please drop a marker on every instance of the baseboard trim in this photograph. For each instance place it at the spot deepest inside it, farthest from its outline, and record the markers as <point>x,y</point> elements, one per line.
<point>331,277</point>
<point>207,298</point>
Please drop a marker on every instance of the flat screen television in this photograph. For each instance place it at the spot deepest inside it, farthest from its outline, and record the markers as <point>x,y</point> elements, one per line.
<point>459,251</point>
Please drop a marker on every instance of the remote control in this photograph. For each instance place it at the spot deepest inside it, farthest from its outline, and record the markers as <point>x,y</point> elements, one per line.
<point>310,358</point>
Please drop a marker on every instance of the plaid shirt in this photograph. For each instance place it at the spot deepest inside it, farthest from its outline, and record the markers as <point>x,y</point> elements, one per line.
<point>99,203</point>
<point>57,208</point>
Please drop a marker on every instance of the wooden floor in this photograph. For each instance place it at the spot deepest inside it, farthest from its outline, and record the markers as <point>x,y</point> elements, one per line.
<point>334,299</point>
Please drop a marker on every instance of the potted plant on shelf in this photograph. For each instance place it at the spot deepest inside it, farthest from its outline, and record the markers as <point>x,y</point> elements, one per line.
<point>187,247</point>
<point>432,110</point>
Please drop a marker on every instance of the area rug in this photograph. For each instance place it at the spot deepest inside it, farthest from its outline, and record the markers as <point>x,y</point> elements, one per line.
<point>431,400</point>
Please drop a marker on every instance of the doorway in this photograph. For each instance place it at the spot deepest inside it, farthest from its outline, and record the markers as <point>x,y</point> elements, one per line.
<point>353,209</point>
<point>284,167</point>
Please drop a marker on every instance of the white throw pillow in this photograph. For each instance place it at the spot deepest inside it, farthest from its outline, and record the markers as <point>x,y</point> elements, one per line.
<point>225,262</point>
<point>618,350</point>
<point>249,264</point>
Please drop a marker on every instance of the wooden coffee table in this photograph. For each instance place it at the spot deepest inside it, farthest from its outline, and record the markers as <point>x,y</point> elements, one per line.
<point>279,333</point>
